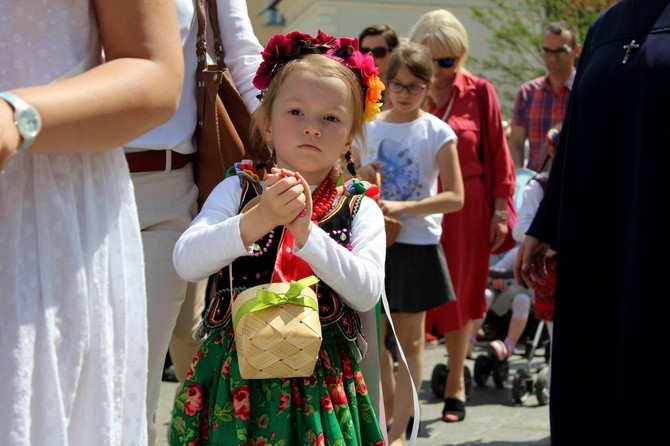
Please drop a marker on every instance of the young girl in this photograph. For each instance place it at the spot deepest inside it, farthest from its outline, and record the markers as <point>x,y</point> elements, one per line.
<point>411,148</point>
<point>313,106</point>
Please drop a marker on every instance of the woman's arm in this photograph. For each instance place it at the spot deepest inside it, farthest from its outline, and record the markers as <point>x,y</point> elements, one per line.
<point>503,177</point>
<point>241,47</point>
<point>136,89</point>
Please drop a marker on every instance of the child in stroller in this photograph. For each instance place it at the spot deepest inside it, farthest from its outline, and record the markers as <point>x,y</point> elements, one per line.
<point>505,300</point>
<point>509,319</point>
<point>543,294</point>
<point>506,321</point>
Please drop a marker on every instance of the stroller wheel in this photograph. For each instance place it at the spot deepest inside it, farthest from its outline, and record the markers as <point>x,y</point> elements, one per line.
<point>438,379</point>
<point>483,367</point>
<point>520,390</point>
<point>467,378</point>
<point>500,373</point>
<point>542,387</point>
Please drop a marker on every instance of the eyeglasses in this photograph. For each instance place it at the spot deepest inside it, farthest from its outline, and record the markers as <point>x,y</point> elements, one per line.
<point>562,51</point>
<point>413,89</point>
<point>445,62</point>
<point>378,51</point>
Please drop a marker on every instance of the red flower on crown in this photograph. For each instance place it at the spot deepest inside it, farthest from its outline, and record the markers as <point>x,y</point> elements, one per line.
<point>282,48</point>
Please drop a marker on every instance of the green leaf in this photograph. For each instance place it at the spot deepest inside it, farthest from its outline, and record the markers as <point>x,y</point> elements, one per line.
<point>517,29</point>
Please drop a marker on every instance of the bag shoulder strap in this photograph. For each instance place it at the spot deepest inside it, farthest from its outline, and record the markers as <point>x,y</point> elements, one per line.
<point>204,12</point>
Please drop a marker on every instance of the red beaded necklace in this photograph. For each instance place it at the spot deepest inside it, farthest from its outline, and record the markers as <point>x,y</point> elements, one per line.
<point>323,198</point>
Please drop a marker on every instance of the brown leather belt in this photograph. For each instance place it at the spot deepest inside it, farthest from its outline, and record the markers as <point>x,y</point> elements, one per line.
<point>155,160</point>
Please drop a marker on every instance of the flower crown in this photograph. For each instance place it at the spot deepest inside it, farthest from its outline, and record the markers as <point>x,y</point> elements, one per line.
<point>282,48</point>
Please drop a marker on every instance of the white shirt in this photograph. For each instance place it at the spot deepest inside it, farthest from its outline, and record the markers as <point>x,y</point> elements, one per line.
<point>408,154</point>
<point>242,56</point>
<point>532,195</point>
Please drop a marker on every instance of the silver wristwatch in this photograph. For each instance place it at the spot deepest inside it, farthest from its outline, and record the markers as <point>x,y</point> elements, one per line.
<point>26,119</point>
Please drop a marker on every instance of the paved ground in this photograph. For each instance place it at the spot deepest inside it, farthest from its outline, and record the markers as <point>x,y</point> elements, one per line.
<point>493,419</point>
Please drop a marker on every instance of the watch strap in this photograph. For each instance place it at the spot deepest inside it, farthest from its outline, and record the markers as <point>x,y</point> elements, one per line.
<point>501,214</point>
<point>20,106</point>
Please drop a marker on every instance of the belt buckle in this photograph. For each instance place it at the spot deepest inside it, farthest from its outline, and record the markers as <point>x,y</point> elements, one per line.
<point>168,160</point>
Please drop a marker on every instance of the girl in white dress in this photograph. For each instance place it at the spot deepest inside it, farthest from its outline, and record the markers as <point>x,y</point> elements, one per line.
<point>72,298</point>
<point>413,151</point>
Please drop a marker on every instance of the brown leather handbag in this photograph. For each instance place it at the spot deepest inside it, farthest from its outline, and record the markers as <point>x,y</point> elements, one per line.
<point>223,130</point>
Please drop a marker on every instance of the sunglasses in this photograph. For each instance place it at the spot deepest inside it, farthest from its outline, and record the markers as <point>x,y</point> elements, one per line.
<point>562,51</point>
<point>378,51</point>
<point>413,89</point>
<point>445,62</point>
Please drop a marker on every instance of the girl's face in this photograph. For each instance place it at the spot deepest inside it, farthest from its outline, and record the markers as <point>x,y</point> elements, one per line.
<point>310,127</point>
<point>407,92</point>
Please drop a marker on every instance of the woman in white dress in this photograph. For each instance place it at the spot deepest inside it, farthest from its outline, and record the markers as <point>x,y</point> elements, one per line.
<point>73,356</point>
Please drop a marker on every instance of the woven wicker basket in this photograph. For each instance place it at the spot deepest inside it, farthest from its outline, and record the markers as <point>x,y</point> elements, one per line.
<point>393,228</point>
<point>280,341</point>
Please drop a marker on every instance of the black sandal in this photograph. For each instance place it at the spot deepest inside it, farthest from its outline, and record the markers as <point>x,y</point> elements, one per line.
<point>455,407</point>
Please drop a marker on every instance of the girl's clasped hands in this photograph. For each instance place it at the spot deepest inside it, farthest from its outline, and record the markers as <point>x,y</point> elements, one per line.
<point>286,200</point>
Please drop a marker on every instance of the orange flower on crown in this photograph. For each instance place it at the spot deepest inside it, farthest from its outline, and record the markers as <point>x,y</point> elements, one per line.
<point>373,102</point>
<point>282,48</point>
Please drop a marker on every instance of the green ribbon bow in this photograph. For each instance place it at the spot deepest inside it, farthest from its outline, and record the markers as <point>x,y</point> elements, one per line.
<point>266,298</point>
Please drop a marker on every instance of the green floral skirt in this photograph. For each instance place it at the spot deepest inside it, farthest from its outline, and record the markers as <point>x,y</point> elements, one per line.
<point>216,406</point>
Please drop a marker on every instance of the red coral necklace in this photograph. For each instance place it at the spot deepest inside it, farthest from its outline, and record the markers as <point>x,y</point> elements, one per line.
<point>323,198</point>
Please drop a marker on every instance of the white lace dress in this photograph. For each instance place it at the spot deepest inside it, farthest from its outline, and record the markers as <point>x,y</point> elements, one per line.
<point>72,300</point>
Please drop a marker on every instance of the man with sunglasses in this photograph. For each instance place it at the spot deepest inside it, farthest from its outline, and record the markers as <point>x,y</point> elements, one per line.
<point>540,103</point>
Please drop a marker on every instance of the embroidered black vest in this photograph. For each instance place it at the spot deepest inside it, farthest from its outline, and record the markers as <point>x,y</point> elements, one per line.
<point>257,269</point>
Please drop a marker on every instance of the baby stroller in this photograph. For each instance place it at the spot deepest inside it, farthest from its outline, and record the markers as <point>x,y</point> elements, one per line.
<point>495,327</point>
<point>534,335</point>
<point>523,384</point>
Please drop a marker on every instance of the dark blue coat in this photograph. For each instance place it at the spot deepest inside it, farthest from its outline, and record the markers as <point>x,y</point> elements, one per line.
<point>604,212</point>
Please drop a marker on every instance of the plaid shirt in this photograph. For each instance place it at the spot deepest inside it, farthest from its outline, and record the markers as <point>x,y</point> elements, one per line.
<point>537,109</point>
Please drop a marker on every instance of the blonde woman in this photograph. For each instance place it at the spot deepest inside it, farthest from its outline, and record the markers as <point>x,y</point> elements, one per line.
<point>468,236</point>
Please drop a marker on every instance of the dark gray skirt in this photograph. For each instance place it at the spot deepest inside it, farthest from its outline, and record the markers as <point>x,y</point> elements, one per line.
<point>417,278</point>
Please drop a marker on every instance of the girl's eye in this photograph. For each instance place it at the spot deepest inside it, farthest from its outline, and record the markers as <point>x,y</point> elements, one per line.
<point>332,118</point>
<point>294,112</point>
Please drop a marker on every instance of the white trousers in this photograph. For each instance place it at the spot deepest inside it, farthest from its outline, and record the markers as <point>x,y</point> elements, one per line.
<point>166,203</point>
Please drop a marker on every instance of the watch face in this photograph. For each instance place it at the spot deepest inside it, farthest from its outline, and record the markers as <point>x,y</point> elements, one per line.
<point>30,123</point>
